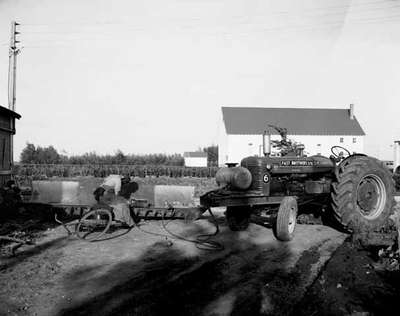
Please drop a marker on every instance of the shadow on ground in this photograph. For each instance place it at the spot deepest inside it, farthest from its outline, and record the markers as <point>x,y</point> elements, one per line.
<point>10,261</point>
<point>245,278</point>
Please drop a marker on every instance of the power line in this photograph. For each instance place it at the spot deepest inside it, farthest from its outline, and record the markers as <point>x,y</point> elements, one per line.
<point>255,28</point>
<point>276,13</point>
<point>345,6</point>
<point>372,20</point>
<point>183,29</point>
<point>295,27</point>
<point>335,23</point>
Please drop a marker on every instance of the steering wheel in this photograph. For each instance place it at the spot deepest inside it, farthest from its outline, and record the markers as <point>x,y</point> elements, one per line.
<point>337,154</point>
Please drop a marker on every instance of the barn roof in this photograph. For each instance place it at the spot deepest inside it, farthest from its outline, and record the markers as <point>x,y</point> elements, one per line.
<point>297,121</point>
<point>195,154</point>
<point>5,111</point>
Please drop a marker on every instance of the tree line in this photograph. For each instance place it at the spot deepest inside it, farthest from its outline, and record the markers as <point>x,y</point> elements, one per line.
<point>33,154</point>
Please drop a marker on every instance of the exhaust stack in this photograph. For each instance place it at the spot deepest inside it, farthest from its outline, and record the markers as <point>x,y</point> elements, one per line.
<point>266,143</point>
<point>396,160</point>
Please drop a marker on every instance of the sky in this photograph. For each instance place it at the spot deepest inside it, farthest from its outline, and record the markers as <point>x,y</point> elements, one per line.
<point>151,76</point>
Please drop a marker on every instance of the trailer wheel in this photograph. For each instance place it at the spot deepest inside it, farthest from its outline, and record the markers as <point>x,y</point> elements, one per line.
<point>94,224</point>
<point>238,217</point>
<point>362,196</point>
<point>286,219</point>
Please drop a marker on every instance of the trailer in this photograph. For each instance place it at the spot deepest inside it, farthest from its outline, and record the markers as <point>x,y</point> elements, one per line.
<point>74,204</point>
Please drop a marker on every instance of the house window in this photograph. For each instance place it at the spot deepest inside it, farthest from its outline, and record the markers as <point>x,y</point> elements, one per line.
<point>341,139</point>
<point>319,145</point>
<point>354,140</point>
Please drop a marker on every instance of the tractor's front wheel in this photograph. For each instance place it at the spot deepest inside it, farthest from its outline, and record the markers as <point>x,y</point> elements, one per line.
<point>238,217</point>
<point>362,196</point>
<point>286,220</point>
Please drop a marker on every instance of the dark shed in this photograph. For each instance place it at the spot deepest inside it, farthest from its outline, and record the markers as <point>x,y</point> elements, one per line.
<point>7,130</point>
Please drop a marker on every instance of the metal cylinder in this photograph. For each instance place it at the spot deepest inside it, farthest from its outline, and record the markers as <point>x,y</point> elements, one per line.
<point>396,160</point>
<point>237,177</point>
<point>257,167</point>
<point>266,143</point>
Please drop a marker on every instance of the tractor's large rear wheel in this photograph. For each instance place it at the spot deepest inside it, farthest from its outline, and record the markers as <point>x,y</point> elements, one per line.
<point>238,217</point>
<point>362,195</point>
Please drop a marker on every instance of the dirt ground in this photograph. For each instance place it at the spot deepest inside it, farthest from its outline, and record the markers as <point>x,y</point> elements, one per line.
<point>146,271</point>
<point>353,283</point>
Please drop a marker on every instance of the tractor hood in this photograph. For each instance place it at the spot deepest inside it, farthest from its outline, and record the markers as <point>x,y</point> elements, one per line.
<point>290,165</point>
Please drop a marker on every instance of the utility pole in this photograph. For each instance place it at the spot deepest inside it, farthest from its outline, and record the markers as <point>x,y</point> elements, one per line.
<point>12,69</point>
<point>12,73</point>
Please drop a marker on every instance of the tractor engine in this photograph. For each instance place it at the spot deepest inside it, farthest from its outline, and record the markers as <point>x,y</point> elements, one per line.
<point>271,176</point>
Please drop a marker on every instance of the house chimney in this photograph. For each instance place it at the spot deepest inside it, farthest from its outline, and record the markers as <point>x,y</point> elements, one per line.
<point>396,161</point>
<point>351,111</point>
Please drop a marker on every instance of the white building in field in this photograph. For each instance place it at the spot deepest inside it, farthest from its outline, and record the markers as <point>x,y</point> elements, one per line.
<point>195,159</point>
<point>318,129</point>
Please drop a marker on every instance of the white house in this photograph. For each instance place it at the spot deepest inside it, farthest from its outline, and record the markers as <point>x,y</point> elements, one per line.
<point>195,159</point>
<point>318,129</point>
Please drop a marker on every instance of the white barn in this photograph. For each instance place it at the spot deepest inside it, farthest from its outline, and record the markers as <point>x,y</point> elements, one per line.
<point>195,159</point>
<point>318,129</point>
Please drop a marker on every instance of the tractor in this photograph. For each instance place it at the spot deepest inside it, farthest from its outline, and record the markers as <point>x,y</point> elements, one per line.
<point>353,190</point>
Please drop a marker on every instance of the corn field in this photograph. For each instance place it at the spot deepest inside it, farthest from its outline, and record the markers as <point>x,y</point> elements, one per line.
<point>43,171</point>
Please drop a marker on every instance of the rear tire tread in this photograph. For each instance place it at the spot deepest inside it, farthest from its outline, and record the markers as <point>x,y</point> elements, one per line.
<point>344,205</point>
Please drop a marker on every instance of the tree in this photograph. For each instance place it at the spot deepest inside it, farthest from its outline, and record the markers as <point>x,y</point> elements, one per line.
<point>28,154</point>
<point>212,155</point>
<point>44,155</point>
<point>119,157</point>
<point>49,155</point>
